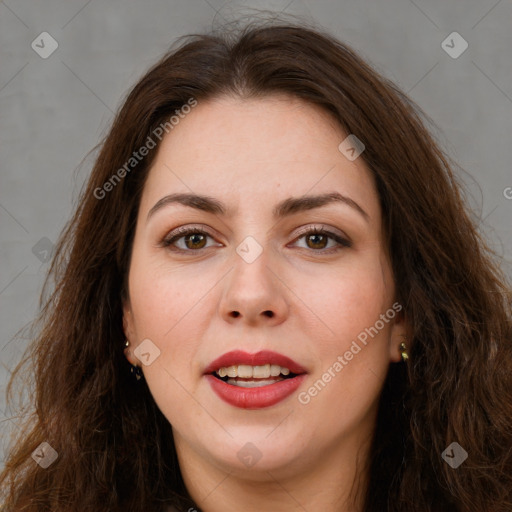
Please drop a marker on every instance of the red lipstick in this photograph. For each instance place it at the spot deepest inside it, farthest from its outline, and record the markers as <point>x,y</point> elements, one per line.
<point>255,397</point>
<point>236,357</point>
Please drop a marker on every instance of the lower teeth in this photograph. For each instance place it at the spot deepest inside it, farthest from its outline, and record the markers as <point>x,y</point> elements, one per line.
<point>253,383</point>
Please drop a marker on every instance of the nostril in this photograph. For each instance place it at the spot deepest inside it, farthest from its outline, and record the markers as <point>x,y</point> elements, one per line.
<point>269,313</point>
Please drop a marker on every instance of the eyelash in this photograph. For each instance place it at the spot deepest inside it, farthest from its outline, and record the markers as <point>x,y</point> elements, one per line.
<point>182,232</point>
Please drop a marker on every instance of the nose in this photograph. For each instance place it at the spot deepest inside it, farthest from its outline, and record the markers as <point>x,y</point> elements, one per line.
<point>254,293</point>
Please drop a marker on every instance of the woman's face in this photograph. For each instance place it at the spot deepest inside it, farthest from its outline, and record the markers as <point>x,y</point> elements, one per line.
<point>252,279</point>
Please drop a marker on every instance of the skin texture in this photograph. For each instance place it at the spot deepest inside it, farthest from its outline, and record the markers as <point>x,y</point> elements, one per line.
<point>252,154</point>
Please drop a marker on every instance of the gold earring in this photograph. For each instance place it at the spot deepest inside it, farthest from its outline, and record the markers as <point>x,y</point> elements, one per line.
<point>403,350</point>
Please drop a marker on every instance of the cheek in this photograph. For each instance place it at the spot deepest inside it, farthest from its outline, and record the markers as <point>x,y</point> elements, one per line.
<point>167,308</point>
<point>350,303</point>
<point>163,296</point>
<point>163,303</point>
<point>345,300</point>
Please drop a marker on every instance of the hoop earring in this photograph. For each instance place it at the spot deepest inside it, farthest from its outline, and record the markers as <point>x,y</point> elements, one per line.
<point>135,370</point>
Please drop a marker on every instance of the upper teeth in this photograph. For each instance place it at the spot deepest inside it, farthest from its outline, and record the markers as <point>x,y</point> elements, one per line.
<point>246,371</point>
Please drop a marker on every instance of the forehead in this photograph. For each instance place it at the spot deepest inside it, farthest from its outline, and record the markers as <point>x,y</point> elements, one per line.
<point>249,151</point>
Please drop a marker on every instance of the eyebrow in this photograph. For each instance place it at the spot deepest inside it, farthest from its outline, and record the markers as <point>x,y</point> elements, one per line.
<point>285,208</point>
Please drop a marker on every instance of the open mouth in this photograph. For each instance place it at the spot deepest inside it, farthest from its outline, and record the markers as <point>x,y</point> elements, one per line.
<point>254,381</point>
<point>246,376</point>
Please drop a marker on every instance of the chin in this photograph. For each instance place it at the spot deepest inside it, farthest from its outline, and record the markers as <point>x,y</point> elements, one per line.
<point>256,458</point>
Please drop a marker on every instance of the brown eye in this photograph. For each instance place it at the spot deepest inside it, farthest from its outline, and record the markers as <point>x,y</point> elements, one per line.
<point>186,240</point>
<point>196,241</point>
<point>318,240</point>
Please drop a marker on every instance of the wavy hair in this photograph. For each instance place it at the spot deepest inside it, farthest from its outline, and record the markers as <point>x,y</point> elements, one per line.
<point>115,448</point>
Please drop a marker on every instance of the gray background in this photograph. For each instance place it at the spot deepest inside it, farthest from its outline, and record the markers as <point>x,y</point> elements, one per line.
<point>55,110</point>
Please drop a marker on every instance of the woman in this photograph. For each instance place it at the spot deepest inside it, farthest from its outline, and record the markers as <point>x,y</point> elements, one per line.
<point>271,297</point>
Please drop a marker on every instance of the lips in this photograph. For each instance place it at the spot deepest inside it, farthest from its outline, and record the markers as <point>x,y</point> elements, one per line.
<point>237,357</point>
<point>259,397</point>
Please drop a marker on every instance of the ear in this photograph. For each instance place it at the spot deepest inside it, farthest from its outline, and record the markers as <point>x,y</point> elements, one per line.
<point>400,332</point>
<point>129,332</point>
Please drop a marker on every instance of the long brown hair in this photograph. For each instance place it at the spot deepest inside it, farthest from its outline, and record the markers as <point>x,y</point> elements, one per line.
<point>115,448</point>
